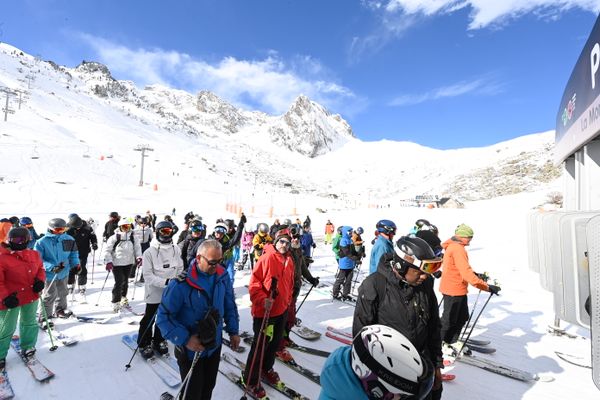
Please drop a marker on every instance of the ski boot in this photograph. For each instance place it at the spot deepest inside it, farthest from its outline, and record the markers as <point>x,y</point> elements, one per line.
<point>284,355</point>
<point>64,313</point>
<point>2,364</point>
<point>70,288</point>
<point>146,352</point>
<point>27,354</point>
<point>161,347</point>
<point>44,326</point>
<point>116,307</point>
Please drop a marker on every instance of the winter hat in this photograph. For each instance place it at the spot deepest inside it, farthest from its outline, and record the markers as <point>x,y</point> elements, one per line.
<point>282,233</point>
<point>464,231</point>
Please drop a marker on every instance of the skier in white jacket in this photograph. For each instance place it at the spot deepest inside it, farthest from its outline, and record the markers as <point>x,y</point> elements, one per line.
<point>121,253</point>
<point>161,263</point>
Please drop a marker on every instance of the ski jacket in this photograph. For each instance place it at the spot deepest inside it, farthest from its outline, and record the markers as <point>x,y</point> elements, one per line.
<point>259,241</point>
<point>411,310</point>
<point>307,242</point>
<point>143,234</point>
<point>109,228</point>
<point>338,380</point>
<point>188,244</point>
<point>83,237</point>
<point>382,246</point>
<point>329,228</point>
<point>335,246</point>
<point>4,228</point>
<point>18,272</point>
<point>271,264</point>
<point>34,237</point>
<point>348,254</point>
<point>185,302</point>
<point>247,239</point>
<point>457,272</point>
<point>162,262</point>
<point>300,270</point>
<point>227,244</point>
<point>125,252</point>
<point>55,249</point>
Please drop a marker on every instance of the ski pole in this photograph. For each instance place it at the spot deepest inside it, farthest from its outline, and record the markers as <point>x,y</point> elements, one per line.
<point>128,365</point>
<point>303,300</point>
<point>101,290</point>
<point>464,332</point>
<point>356,277</point>
<point>475,323</point>
<point>93,265</point>
<point>184,383</point>
<point>260,342</point>
<point>45,316</point>
<point>135,279</point>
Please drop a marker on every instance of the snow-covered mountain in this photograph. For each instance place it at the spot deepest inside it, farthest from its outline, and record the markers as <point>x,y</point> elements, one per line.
<point>84,111</point>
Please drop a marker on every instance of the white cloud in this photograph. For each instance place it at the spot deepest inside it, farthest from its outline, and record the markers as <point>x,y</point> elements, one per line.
<point>489,12</point>
<point>271,84</point>
<point>481,86</point>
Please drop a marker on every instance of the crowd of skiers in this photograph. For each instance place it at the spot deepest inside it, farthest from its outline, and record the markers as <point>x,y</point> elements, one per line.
<point>399,337</point>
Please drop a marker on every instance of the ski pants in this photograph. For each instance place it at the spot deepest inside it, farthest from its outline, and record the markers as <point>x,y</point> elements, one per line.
<point>133,271</point>
<point>344,277</point>
<point>121,274</point>
<point>456,313</point>
<point>145,334</point>
<point>290,321</point>
<point>328,238</point>
<point>82,277</point>
<point>274,333</point>
<point>28,328</point>
<point>55,292</point>
<point>202,381</point>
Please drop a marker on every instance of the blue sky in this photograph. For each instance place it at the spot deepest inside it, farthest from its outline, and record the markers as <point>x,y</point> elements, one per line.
<point>442,73</point>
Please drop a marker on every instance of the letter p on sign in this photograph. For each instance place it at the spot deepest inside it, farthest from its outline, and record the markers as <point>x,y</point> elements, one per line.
<point>594,63</point>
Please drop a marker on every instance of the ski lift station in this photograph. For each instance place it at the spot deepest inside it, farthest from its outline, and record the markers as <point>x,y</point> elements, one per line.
<point>564,245</point>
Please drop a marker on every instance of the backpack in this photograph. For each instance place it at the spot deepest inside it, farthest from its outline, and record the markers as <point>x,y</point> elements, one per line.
<point>119,241</point>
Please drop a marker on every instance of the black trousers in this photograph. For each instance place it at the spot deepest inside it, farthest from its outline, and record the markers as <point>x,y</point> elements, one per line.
<point>271,346</point>
<point>82,277</point>
<point>146,327</point>
<point>456,313</point>
<point>204,376</point>
<point>344,277</point>
<point>121,274</point>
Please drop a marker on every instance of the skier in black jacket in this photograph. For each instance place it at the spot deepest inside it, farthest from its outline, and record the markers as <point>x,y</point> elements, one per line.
<point>111,225</point>
<point>400,295</point>
<point>84,237</point>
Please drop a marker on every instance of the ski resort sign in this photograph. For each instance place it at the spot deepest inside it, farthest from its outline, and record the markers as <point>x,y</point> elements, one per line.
<point>578,117</point>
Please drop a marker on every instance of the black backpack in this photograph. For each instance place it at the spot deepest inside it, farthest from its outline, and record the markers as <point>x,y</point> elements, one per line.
<point>119,241</point>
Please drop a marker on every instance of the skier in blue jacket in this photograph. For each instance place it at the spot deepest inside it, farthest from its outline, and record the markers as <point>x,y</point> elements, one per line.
<point>381,364</point>
<point>383,243</point>
<point>59,254</point>
<point>191,316</point>
<point>28,223</point>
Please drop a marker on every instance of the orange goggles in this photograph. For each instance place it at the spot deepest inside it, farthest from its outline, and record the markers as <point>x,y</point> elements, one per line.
<point>57,231</point>
<point>126,227</point>
<point>431,266</point>
<point>165,231</point>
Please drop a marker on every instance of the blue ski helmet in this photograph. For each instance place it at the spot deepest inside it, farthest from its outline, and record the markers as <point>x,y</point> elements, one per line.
<point>386,226</point>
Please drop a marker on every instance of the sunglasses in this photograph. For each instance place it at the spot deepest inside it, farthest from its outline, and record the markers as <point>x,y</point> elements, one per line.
<point>165,231</point>
<point>430,266</point>
<point>284,242</point>
<point>28,225</point>
<point>60,230</point>
<point>212,263</point>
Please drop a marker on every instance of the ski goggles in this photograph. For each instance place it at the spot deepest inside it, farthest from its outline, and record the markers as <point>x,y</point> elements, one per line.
<point>28,226</point>
<point>431,266</point>
<point>165,231</point>
<point>58,231</point>
<point>19,240</point>
<point>126,227</point>
<point>197,228</point>
<point>220,229</point>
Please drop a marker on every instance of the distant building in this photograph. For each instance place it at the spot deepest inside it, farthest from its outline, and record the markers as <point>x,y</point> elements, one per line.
<point>448,202</point>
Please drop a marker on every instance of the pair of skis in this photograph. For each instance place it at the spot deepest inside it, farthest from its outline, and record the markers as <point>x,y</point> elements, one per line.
<point>164,367</point>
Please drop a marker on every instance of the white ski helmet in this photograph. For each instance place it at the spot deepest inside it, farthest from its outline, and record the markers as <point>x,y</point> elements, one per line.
<point>387,363</point>
<point>125,221</point>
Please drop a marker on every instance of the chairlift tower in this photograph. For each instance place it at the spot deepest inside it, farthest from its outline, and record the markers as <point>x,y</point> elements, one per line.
<point>143,148</point>
<point>7,110</point>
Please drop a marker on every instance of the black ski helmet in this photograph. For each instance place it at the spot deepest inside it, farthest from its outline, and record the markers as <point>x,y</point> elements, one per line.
<point>164,232</point>
<point>56,223</point>
<point>75,222</point>
<point>18,238</point>
<point>416,247</point>
<point>420,223</point>
<point>295,230</point>
<point>14,220</point>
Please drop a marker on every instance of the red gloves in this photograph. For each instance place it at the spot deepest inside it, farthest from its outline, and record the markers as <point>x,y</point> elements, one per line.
<point>109,266</point>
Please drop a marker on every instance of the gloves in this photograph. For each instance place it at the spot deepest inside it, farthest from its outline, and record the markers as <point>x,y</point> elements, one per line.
<point>243,218</point>
<point>37,286</point>
<point>109,266</point>
<point>315,281</point>
<point>314,245</point>
<point>11,300</point>
<point>484,277</point>
<point>207,329</point>
<point>138,261</point>
<point>56,269</point>
<point>167,282</point>
<point>494,289</point>
<point>94,246</point>
<point>76,269</point>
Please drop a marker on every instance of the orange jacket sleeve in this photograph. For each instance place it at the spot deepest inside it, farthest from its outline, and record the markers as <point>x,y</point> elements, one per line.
<point>461,261</point>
